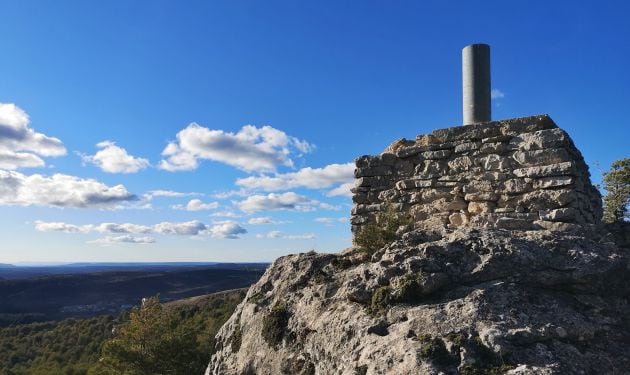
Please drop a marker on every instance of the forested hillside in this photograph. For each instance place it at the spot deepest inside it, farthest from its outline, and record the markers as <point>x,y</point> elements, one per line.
<point>73,346</point>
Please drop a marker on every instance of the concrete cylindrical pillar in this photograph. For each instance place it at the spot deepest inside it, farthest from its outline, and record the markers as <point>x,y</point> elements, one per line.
<point>476,83</point>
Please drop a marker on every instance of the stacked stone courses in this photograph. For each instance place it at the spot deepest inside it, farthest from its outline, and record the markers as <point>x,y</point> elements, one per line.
<point>518,174</point>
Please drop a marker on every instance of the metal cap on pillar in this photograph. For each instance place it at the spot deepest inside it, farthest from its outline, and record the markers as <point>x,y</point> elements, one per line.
<point>476,83</point>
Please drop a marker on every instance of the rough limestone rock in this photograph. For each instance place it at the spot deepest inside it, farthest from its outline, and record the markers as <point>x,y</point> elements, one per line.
<point>465,300</point>
<point>506,269</point>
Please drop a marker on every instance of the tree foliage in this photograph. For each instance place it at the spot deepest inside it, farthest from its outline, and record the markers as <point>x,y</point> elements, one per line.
<point>617,186</point>
<point>175,338</point>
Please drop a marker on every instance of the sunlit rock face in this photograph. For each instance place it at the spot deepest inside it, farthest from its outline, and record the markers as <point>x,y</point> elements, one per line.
<point>523,173</point>
<point>505,268</point>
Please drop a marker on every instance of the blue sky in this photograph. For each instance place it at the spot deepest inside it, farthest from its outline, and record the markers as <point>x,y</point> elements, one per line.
<point>245,115</point>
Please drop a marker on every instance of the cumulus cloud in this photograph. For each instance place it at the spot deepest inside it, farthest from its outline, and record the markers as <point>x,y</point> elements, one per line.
<point>121,228</point>
<point>110,240</point>
<point>115,159</point>
<point>226,229</point>
<point>273,202</point>
<point>497,94</point>
<point>223,229</point>
<point>341,190</point>
<point>264,220</point>
<point>310,178</point>
<point>250,149</point>
<point>191,228</point>
<point>196,205</point>
<point>21,146</point>
<point>59,190</point>
<point>60,227</point>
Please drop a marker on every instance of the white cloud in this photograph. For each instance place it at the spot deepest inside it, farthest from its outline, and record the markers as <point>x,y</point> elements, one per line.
<point>264,220</point>
<point>272,202</point>
<point>305,236</point>
<point>60,227</point>
<point>122,228</point>
<point>21,146</point>
<point>311,178</point>
<point>196,205</point>
<point>231,193</point>
<point>191,228</point>
<point>497,94</point>
<point>115,159</point>
<point>225,214</point>
<point>223,229</point>
<point>59,190</point>
<point>274,234</point>
<point>110,240</point>
<point>226,229</point>
<point>278,234</point>
<point>250,149</point>
<point>149,195</point>
<point>331,220</point>
<point>342,190</point>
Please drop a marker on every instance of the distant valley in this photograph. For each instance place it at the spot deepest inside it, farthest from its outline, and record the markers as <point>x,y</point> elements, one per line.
<point>31,294</point>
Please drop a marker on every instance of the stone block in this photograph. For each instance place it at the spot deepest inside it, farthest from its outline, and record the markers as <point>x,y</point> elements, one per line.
<point>468,132</point>
<point>546,199</point>
<point>478,186</point>
<point>529,124</point>
<point>541,157</point>
<point>559,169</point>
<point>381,170</point>
<point>467,147</point>
<point>476,208</point>
<point>539,140</point>
<point>431,168</point>
<point>389,195</point>
<point>493,148</point>
<point>413,184</point>
<point>513,224</point>
<point>457,219</point>
<point>481,197</point>
<point>431,195</point>
<point>460,164</point>
<point>517,186</point>
<point>495,162</point>
<point>552,182</point>
<point>559,214</point>
<point>434,155</point>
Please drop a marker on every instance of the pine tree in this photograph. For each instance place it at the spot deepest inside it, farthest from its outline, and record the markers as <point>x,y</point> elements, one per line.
<point>617,185</point>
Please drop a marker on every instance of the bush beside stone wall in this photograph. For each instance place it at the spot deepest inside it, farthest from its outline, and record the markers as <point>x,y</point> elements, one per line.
<point>523,173</point>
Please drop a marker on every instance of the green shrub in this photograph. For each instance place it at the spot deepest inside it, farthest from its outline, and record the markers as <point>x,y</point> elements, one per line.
<point>381,298</point>
<point>255,298</point>
<point>375,235</point>
<point>275,324</point>
<point>410,289</point>
<point>434,350</point>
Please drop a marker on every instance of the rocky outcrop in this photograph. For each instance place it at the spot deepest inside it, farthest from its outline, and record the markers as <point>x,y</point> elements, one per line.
<point>522,173</point>
<point>506,269</point>
<point>468,301</point>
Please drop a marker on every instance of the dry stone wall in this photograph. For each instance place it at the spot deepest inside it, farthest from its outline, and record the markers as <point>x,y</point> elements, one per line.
<point>522,173</point>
